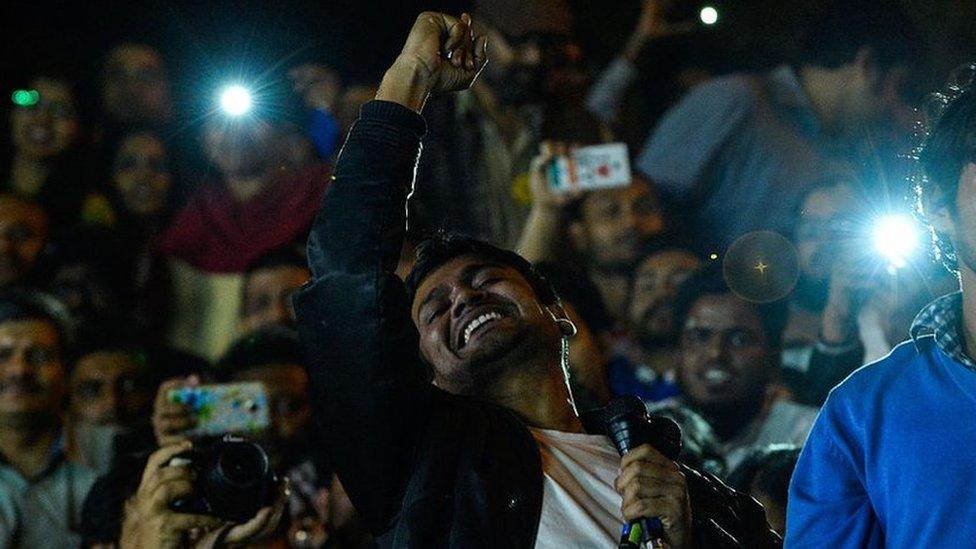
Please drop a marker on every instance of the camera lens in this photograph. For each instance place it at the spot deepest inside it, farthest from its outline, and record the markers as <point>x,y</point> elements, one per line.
<point>242,463</point>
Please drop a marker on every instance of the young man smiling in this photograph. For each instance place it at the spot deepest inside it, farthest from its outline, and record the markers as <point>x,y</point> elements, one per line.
<point>492,454</point>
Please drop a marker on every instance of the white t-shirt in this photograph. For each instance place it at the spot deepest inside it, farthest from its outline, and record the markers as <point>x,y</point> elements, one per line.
<point>580,508</point>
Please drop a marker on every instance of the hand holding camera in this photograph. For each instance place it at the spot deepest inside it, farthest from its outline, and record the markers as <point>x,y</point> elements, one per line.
<point>181,476</point>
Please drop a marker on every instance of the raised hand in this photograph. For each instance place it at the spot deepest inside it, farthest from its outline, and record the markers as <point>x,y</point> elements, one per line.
<point>441,54</point>
<point>171,420</point>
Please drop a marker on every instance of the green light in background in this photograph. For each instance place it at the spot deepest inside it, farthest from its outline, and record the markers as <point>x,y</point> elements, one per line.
<point>25,98</point>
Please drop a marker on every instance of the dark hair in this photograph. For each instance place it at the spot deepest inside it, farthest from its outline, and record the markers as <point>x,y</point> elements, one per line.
<point>575,287</point>
<point>948,148</point>
<point>767,470</point>
<point>24,304</point>
<point>115,137</point>
<point>271,345</point>
<point>710,281</point>
<point>285,256</point>
<point>437,250</point>
<point>846,26</point>
<point>574,210</point>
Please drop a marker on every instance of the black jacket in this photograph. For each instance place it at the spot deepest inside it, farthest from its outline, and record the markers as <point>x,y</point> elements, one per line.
<point>424,468</point>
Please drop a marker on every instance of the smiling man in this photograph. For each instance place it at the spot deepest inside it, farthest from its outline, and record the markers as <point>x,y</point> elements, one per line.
<point>492,453</point>
<point>728,356</point>
<point>40,491</point>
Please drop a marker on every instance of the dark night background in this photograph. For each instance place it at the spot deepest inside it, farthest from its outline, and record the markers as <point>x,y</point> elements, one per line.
<point>206,38</point>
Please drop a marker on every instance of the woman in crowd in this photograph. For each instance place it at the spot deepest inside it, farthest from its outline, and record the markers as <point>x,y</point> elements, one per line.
<point>142,192</point>
<point>46,162</point>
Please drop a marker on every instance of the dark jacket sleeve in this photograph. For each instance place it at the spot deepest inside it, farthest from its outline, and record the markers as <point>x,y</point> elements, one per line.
<point>723,518</point>
<point>369,389</point>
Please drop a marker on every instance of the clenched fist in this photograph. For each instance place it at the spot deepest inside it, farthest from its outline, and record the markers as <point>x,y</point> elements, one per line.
<point>441,54</point>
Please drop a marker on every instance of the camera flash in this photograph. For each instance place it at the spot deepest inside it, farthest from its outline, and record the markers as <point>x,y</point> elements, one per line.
<point>896,238</point>
<point>235,100</point>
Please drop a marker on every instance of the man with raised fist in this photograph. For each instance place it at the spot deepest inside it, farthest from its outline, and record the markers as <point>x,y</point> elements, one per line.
<point>492,453</point>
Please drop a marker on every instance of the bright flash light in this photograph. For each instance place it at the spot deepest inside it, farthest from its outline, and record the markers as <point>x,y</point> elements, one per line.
<point>896,238</point>
<point>708,15</point>
<point>235,100</point>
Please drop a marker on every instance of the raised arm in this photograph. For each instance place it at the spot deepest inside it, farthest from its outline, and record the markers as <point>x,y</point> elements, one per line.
<point>369,389</point>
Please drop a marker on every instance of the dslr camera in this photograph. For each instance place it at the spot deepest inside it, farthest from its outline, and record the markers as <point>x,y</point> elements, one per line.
<point>234,479</point>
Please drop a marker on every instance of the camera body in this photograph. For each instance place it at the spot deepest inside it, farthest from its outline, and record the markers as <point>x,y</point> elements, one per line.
<point>234,479</point>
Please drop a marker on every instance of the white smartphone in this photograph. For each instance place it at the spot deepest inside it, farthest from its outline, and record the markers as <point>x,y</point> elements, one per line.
<point>591,168</point>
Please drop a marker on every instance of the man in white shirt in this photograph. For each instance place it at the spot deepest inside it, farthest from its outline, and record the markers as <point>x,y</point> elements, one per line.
<point>493,452</point>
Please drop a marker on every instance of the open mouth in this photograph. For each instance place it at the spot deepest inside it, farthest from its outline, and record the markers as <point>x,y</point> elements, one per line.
<point>716,378</point>
<point>477,322</point>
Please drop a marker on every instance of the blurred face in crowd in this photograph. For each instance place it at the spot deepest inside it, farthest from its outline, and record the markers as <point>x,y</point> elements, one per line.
<point>141,174</point>
<point>267,296</point>
<point>863,97</point>
<point>86,293</point>
<point>476,320</point>
<point>724,359</point>
<point>818,232</point>
<point>135,86</point>
<point>616,225</point>
<point>110,393</point>
<point>239,147</point>
<point>291,415</point>
<point>110,387</point>
<point>49,127</point>
<point>656,282</point>
<point>516,72</point>
<point>23,233</point>
<point>32,379</point>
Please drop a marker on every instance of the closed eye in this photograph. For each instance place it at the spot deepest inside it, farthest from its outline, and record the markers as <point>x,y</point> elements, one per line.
<point>485,282</point>
<point>434,314</point>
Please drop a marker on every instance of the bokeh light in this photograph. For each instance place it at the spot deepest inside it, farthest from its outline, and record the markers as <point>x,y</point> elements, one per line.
<point>708,15</point>
<point>25,98</point>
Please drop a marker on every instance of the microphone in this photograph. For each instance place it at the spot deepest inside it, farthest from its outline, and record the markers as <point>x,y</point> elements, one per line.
<point>626,422</point>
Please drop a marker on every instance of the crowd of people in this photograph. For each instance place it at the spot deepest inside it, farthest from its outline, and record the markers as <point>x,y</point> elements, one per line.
<point>434,320</point>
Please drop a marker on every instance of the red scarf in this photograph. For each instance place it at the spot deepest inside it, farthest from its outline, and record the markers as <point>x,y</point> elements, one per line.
<point>216,233</point>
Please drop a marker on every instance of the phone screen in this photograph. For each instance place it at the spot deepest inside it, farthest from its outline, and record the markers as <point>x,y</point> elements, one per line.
<point>226,408</point>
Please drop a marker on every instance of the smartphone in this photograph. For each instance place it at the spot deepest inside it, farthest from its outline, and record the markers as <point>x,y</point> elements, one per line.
<point>590,168</point>
<point>225,408</point>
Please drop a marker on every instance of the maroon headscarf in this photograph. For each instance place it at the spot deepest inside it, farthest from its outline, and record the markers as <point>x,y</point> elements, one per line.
<point>216,233</point>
